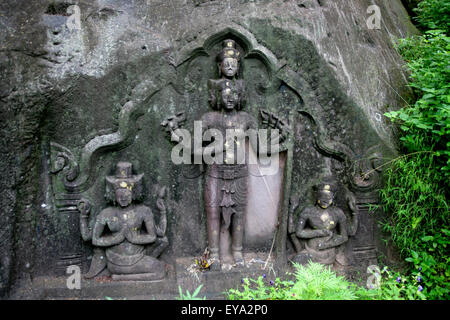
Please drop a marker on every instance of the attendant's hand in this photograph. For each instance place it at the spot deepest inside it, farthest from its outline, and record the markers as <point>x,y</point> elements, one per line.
<point>84,207</point>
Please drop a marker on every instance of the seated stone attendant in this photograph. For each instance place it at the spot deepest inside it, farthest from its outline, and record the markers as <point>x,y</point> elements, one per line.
<point>322,227</point>
<point>127,228</point>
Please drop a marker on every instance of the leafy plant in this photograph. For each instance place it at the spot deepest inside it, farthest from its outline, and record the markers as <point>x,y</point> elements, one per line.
<point>426,124</point>
<point>393,286</point>
<point>318,282</point>
<point>416,201</point>
<point>416,190</point>
<point>433,14</point>
<point>312,282</point>
<point>433,271</point>
<point>189,296</point>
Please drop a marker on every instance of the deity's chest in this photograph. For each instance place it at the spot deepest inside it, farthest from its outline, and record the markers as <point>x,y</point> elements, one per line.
<point>123,219</point>
<point>235,124</point>
<point>324,219</point>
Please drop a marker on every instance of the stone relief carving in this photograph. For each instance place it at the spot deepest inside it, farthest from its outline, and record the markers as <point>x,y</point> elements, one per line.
<point>80,175</point>
<point>63,160</point>
<point>362,174</point>
<point>323,228</point>
<point>225,188</point>
<point>123,232</point>
<point>365,173</point>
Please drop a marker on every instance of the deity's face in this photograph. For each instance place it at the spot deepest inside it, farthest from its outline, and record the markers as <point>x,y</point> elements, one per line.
<point>229,99</point>
<point>324,199</point>
<point>229,67</point>
<point>123,197</point>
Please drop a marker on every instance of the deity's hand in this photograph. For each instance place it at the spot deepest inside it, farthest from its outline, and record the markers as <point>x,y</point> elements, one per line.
<point>160,202</point>
<point>330,235</point>
<point>327,233</point>
<point>129,234</point>
<point>172,123</point>
<point>270,120</point>
<point>121,235</point>
<point>84,207</point>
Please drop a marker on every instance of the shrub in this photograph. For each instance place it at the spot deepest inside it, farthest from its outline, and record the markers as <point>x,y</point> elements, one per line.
<point>312,282</point>
<point>426,124</point>
<point>433,14</point>
<point>416,186</point>
<point>318,282</point>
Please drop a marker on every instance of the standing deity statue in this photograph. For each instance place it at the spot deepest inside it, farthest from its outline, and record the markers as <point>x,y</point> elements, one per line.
<point>122,233</point>
<point>228,66</point>
<point>225,188</point>
<point>323,228</point>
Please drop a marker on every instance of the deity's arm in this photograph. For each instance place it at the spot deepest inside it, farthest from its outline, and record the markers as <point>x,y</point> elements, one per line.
<point>342,225</point>
<point>105,241</point>
<point>293,208</point>
<point>84,208</point>
<point>353,225</point>
<point>150,236</point>
<point>86,231</point>
<point>162,226</point>
<point>307,233</point>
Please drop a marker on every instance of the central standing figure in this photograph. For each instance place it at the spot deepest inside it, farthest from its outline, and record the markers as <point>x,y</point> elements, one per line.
<point>225,191</point>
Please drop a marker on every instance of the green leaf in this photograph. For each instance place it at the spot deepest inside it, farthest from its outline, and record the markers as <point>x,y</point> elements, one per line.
<point>427,238</point>
<point>197,290</point>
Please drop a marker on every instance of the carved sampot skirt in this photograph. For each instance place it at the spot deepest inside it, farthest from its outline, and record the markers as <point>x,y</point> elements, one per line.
<point>226,187</point>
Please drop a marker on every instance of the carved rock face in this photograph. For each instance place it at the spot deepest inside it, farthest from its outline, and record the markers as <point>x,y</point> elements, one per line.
<point>324,199</point>
<point>123,197</point>
<point>229,99</point>
<point>229,67</point>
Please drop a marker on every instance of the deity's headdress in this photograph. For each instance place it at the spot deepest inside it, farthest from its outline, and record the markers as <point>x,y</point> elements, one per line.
<point>229,51</point>
<point>124,179</point>
<point>327,186</point>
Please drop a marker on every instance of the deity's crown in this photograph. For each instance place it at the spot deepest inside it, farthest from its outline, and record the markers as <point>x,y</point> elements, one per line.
<point>229,50</point>
<point>326,186</point>
<point>124,179</point>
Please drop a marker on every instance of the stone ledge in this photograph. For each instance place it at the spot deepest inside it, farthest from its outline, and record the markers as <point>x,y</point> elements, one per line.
<point>215,283</point>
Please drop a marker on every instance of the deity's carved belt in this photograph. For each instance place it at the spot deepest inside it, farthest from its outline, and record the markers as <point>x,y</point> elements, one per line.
<point>227,172</point>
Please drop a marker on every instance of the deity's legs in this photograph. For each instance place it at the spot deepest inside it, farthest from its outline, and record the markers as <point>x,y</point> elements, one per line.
<point>212,208</point>
<point>148,268</point>
<point>237,237</point>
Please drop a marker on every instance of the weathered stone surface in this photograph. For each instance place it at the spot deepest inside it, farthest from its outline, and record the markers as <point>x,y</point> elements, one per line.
<point>71,86</point>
